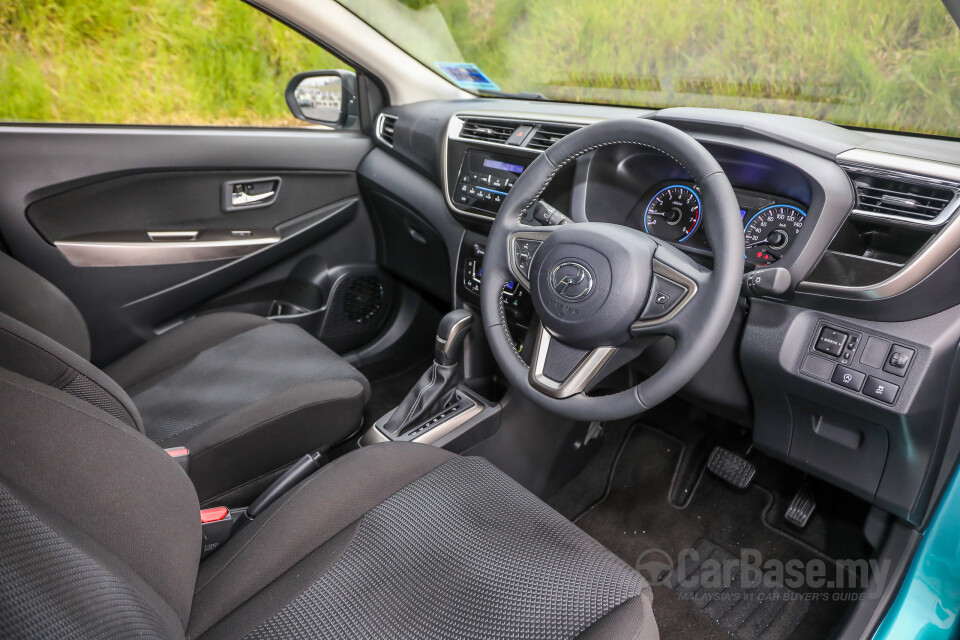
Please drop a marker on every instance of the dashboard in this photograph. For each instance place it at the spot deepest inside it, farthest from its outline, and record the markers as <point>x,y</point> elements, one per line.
<point>846,373</point>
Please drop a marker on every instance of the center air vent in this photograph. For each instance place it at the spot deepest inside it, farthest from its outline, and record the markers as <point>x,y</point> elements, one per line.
<point>546,134</point>
<point>908,200</point>
<point>487,130</point>
<point>386,124</point>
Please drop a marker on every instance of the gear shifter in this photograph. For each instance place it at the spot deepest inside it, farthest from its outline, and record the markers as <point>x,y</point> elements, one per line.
<point>437,386</point>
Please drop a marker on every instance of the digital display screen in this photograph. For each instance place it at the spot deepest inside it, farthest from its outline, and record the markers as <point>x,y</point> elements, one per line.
<point>485,179</point>
<point>490,163</point>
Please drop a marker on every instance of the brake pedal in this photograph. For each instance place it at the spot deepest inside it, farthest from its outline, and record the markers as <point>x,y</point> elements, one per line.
<point>801,507</point>
<point>727,465</point>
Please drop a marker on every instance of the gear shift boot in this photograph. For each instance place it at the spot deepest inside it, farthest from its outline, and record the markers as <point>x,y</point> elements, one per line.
<point>435,388</point>
<point>438,385</point>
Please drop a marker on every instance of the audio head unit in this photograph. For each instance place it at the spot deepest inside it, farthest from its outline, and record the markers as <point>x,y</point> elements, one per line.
<point>485,179</point>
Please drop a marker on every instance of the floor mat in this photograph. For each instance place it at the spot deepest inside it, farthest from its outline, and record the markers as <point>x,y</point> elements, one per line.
<point>637,522</point>
<point>588,487</point>
<point>746,609</point>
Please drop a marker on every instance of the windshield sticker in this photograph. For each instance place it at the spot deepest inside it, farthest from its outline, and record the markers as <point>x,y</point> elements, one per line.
<point>467,76</point>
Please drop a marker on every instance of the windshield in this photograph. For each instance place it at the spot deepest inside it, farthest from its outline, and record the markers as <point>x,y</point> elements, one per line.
<point>882,64</point>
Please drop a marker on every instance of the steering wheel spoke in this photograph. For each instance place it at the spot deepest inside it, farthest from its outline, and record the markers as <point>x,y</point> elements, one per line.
<point>561,371</point>
<point>522,245</point>
<point>672,292</point>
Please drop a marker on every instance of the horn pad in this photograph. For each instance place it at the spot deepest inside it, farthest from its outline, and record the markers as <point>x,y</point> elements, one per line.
<point>589,282</point>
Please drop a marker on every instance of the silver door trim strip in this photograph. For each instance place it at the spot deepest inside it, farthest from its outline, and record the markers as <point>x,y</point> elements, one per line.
<point>140,254</point>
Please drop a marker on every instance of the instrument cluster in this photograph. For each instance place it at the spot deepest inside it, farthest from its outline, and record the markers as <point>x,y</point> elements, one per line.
<point>673,212</point>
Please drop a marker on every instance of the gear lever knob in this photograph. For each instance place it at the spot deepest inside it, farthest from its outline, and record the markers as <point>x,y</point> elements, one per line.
<point>453,328</point>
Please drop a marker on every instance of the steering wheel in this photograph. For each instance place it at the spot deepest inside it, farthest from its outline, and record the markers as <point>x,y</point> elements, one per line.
<point>604,292</point>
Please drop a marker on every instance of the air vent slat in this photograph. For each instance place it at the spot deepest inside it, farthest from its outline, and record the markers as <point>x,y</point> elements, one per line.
<point>909,199</point>
<point>547,134</point>
<point>386,128</point>
<point>867,188</point>
<point>487,130</point>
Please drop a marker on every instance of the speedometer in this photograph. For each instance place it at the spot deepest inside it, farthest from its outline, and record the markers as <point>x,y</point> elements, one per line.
<point>770,233</point>
<point>673,214</point>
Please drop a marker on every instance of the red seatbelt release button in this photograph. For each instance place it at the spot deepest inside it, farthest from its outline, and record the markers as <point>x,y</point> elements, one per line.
<point>214,514</point>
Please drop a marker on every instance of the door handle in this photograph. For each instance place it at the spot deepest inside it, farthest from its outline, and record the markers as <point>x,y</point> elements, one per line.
<point>240,198</point>
<point>236,195</point>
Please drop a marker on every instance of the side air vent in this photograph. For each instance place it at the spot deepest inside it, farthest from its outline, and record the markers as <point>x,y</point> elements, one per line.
<point>487,130</point>
<point>386,124</point>
<point>910,200</point>
<point>546,134</point>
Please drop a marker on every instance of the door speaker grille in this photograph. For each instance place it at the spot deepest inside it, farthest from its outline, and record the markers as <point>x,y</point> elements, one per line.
<point>357,306</point>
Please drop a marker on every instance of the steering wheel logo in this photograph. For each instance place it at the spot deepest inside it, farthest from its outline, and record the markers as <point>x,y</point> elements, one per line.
<point>571,281</point>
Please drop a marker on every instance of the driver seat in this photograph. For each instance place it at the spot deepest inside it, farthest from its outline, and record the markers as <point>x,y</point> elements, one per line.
<point>100,536</point>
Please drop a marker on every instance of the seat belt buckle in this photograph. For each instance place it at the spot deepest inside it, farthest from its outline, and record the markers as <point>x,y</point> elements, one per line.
<point>216,524</point>
<point>182,456</point>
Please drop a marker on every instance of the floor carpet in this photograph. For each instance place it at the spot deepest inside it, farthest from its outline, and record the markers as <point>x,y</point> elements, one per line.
<point>637,521</point>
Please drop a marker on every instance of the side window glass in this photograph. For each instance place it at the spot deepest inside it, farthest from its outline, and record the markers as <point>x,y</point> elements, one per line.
<point>150,62</point>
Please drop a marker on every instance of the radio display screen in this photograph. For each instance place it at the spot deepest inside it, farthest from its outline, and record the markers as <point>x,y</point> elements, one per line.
<point>486,178</point>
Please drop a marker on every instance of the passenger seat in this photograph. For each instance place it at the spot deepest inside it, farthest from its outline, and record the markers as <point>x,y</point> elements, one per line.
<point>245,395</point>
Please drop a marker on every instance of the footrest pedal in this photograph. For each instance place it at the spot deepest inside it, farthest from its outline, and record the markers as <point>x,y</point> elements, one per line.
<point>801,507</point>
<point>727,465</point>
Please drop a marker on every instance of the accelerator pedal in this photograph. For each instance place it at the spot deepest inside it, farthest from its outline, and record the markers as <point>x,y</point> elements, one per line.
<point>727,465</point>
<point>801,507</point>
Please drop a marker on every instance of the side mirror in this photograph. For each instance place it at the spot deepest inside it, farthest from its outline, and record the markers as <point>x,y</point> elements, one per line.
<point>324,97</point>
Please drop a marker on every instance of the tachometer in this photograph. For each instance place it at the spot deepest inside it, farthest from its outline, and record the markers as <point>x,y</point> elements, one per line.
<point>673,214</point>
<point>770,233</point>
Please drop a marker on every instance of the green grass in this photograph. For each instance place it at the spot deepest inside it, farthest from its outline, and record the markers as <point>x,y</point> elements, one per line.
<point>149,62</point>
<point>889,64</point>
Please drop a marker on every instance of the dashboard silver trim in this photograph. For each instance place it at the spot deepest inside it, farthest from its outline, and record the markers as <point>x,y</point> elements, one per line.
<point>378,129</point>
<point>943,245</point>
<point>906,169</point>
<point>455,125</point>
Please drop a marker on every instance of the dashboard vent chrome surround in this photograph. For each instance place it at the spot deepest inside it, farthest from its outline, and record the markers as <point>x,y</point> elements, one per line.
<point>901,189</point>
<point>912,200</point>
<point>485,130</point>
<point>546,134</point>
<point>386,125</point>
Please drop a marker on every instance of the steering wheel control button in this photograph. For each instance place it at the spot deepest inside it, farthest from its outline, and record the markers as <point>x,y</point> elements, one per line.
<point>899,360</point>
<point>523,251</point>
<point>831,341</point>
<point>664,297</point>
<point>881,390</point>
<point>849,378</point>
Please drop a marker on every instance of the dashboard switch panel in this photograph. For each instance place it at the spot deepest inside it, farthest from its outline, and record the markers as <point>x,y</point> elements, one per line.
<point>847,377</point>
<point>898,361</point>
<point>881,390</point>
<point>875,352</point>
<point>831,341</point>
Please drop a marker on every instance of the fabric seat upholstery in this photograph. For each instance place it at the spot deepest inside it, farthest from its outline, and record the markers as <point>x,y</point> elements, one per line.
<point>233,386</point>
<point>396,540</point>
<point>245,394</point>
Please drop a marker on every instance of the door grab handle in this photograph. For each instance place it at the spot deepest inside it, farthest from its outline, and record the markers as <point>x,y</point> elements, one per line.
<point>239,198</point>
<point>159,236</point>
